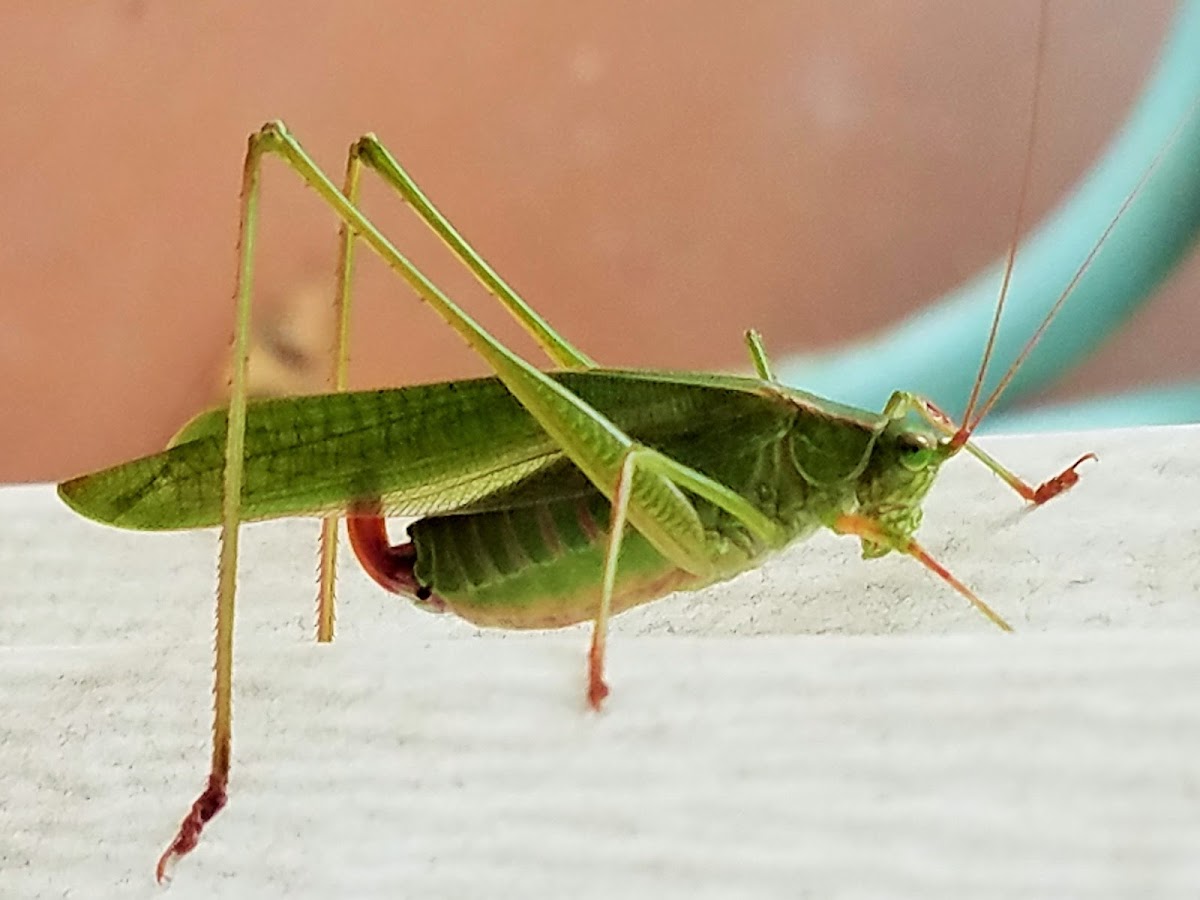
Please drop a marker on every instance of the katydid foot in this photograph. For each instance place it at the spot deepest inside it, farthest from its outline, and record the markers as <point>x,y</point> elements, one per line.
<point>210,802</point>
<point>1063,481</point>
<point>597,688</point>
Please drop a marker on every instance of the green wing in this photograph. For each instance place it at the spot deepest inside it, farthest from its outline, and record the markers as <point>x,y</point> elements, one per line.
<point>421,450</point>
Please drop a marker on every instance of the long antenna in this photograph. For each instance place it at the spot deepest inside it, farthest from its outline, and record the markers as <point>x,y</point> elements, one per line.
<point>1018,218</point>
<point>969,426</point>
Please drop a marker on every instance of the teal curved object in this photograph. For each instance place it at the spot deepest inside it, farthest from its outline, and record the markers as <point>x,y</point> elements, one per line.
<point>936,352</point>
<point>1165,405</point>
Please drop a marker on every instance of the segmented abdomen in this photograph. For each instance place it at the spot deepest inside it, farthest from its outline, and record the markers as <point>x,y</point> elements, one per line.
<point>537,566</point>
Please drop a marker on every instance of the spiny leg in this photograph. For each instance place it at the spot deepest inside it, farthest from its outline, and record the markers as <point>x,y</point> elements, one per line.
<point>645,461</point>
<point>327,572</point>
<point>372,153</point>
<point>597,688</point>
<point>367,150</point>
<point>656,506</point>
<point>867,528</point>
<point>901,403</point>
<point>658,509</point>
<point>214,795</point>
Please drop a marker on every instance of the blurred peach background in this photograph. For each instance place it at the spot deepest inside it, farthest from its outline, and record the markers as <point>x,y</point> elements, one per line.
<point>653,178</point>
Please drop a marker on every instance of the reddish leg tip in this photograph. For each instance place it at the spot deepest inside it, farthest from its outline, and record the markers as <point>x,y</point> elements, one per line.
<point>1064,481</point>
<point>166,862</point>
<point>208,804</point>
<point>597,691</point>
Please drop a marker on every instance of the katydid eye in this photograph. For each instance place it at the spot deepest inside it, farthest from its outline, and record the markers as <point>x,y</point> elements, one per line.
<point>915,458</point>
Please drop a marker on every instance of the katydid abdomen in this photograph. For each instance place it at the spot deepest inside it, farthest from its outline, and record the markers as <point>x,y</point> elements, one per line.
<point>536,566</point>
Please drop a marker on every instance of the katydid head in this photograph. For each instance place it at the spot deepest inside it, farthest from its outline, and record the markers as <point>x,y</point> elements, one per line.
<point>899,473</point>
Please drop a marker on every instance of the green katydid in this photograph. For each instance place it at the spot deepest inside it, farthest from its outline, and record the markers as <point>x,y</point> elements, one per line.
<point>545,498</point>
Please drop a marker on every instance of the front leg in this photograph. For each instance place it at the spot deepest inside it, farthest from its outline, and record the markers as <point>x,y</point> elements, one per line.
<point>902,403</point>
